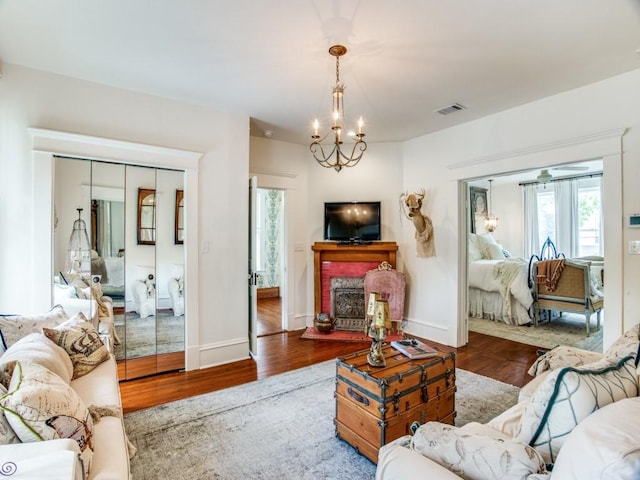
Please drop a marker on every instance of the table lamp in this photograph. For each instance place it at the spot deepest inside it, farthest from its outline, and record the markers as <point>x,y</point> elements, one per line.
<point>378,332</point>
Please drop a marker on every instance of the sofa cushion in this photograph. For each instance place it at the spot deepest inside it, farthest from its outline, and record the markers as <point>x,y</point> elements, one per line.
<point>14,327</point>
<point>40,406</point>
<point>37,348</point>
<point>474,456</point>
<point>569,395</point>
<point>80,339</point>
<point>604,445</point>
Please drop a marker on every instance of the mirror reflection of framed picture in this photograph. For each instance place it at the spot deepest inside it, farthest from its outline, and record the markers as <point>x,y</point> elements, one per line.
<point>478,208</point>
<point>179,235</point>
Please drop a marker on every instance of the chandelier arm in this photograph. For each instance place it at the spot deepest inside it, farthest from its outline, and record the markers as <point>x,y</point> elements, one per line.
<point>317,148</point>
<point>353,159</point>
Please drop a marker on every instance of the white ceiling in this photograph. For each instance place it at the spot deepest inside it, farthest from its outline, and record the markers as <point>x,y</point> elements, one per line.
<point>269,59</point>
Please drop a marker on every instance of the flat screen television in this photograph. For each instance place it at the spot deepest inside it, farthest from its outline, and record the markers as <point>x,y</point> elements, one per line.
<point>352,221</point>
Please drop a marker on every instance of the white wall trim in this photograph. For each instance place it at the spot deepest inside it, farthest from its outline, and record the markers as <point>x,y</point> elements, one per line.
<point>49,143</point>
<point>265,171</point>
<point>73,144</point>
<point>613,134</point>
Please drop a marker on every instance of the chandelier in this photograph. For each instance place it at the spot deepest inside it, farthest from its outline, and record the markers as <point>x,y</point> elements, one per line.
<point>336,158</point>
<point>490,221</point>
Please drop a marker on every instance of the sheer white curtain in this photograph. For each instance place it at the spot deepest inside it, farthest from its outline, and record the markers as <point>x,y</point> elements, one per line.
<point>567,217</point>
<point>531,229</point>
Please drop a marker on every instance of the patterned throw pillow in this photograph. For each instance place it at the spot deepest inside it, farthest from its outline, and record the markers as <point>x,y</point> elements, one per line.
<point>41,406</point>
<point>473,456</point>
<point>14,327</point>
<point>7,435</point>
<point>37,348</point>
<point>80,339</point>
<point>569,395</point>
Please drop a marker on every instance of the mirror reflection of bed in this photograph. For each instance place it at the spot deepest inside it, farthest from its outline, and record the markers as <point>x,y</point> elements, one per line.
<point>501,297</point>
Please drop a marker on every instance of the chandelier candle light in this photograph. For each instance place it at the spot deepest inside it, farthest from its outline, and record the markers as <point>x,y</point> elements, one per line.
<point>336,158</point>
<point>490,221</point>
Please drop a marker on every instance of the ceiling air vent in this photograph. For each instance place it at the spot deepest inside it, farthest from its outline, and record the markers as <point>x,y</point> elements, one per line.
<point>455,107</point>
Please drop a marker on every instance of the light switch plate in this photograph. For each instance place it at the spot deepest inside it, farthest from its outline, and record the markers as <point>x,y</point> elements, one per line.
<point>634,247</point>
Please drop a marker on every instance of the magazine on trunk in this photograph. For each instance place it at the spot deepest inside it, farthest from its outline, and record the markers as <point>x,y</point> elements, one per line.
<point>413,348</point>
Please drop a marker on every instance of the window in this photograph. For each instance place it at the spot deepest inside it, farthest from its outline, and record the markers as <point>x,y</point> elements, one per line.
<point>571,215</point>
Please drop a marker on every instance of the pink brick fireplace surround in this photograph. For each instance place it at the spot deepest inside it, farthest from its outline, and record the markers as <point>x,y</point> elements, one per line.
<point>334,260</point>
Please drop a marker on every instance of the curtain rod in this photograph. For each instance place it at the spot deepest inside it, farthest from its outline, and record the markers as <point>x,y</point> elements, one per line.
<point>560,179</point>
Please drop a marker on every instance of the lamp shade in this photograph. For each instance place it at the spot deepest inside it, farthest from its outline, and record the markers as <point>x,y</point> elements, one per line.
<point>382,314</point>
<point>371,306</point>
<point>79,249</point>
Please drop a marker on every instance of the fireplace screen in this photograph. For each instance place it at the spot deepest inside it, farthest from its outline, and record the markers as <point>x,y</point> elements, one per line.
<point>347,303</point>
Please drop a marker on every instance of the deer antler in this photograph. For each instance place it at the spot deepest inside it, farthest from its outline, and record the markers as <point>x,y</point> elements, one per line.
<point>403,205</point>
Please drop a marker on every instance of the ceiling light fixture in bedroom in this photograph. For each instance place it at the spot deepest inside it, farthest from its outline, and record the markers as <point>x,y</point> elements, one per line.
<point>336,132</point>
<point>490,221</point>
<point>544,176</point>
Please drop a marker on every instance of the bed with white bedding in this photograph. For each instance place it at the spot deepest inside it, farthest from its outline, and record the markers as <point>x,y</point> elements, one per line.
<point>498,285</point>
<point>499,290</point>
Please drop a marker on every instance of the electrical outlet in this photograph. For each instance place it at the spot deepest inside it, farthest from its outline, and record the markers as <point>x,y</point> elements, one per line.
<point>634,247</point>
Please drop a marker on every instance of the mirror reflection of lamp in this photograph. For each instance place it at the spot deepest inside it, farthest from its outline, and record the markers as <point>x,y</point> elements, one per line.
<point>79,249</point>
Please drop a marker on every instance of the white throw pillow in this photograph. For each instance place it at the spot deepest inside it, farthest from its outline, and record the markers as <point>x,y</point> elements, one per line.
<point>626,344</point>
<point>604,445</point>
<point>14,327</point>
<point>40,406</point>
<point>37,348</point>
<point>474,456</point>
<point>568,396</point>
<point>80,339</point>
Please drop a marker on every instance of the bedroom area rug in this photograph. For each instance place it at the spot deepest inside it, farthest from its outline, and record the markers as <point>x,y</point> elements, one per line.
<point>566,330</point>
<point>274,428</point>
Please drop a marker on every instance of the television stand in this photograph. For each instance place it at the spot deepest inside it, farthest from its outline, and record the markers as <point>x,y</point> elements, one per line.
<point>354,242</point>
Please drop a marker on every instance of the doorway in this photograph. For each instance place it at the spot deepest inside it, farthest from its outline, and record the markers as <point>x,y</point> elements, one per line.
<point>270,260</point>
<point>505,199</point>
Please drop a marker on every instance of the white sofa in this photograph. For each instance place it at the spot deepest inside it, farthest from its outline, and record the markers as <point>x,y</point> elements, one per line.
<point>98,390</point>
<point>573,440</point>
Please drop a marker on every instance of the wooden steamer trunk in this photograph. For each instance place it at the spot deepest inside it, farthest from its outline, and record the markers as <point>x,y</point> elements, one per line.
<point>377,405</point>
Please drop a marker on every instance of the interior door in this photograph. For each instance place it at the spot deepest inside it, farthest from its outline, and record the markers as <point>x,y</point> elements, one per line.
<point>141,273</point>
<point>170,321</point>
<point>252,275</point>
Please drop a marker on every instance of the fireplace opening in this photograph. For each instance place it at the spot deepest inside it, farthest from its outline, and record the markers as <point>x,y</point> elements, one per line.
<point>347,303</point>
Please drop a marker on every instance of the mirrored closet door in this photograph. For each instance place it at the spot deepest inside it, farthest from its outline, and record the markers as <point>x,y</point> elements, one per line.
<point>133,256</point>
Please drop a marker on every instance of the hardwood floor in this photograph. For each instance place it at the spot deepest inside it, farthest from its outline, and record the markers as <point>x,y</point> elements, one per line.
<point>493,357</point>
<point>269,316</point>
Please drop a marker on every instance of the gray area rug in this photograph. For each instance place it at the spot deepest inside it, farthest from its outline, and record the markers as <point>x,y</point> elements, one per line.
<point>140,337</point>
<point>275,428</point>
<point>566,330</point>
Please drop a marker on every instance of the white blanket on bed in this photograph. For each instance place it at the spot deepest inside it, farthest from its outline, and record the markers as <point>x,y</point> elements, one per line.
<point>482,275</point>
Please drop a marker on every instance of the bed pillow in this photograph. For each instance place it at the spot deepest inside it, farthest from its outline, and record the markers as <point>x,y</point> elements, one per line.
<point>80,339</point>
<point>40,406</point>
<point>37,348</point>
<point>494,251</point>
<point>14,327</point>
<point>473,250</point>
<point>475,456</point>
<point>568,396</point>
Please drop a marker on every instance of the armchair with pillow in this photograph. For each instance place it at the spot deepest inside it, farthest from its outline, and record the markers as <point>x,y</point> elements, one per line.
<point>77,293</point>
<point>577,420</point>
<point>175,286</point>
<point>143,290</point>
